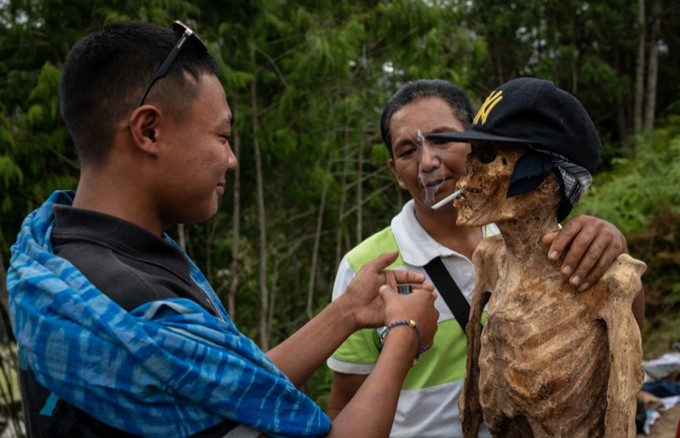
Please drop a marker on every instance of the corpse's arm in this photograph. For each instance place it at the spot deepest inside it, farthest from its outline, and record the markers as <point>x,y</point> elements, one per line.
<point>485,268</point>
<point>588,246</point>
<point>621,284</point>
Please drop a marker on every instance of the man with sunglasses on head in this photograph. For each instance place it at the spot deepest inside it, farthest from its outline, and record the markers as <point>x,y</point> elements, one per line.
<point>119,333</point>
<point>429,241</point>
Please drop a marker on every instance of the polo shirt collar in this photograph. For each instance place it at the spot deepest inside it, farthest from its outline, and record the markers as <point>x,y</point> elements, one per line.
<point>416,246</point>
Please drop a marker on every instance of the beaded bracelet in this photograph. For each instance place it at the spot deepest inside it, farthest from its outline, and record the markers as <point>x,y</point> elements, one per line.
<point>422,348</point>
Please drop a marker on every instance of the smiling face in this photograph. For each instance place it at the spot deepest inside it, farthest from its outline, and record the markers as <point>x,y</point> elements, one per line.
<point>199,156</point>
<point>429,171</point>
<point>485,184</point>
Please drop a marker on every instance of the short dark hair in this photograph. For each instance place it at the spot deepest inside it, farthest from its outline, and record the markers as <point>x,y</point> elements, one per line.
<point>105,74</point>
<point>415,90</point>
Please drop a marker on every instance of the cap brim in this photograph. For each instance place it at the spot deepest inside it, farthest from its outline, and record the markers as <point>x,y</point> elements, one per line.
<point>472,135</point>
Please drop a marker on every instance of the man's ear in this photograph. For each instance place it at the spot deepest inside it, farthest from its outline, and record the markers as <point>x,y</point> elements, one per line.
<point>393,168</point>
<point>144,125</point>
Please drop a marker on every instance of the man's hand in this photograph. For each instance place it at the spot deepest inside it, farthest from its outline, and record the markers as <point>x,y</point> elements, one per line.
<point>591,246</point>
<point>417,306</point>
<point>362,297</point>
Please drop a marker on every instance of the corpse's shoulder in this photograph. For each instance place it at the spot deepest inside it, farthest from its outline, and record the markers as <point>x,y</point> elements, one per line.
<point>624,270</point>
<point>489,249</point>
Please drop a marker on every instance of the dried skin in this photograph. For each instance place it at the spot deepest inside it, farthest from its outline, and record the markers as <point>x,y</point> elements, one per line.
<point>551,361</point>
<point>548,353</point>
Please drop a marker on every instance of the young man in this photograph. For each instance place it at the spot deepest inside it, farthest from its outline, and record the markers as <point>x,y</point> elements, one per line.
<point>118,331</point>
<point>585,246</point>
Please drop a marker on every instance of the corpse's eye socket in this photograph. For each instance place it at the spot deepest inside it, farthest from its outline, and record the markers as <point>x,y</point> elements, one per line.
<point>484,152</point>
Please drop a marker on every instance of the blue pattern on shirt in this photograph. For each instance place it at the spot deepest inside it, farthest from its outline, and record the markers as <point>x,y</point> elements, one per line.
<point>168,368</point>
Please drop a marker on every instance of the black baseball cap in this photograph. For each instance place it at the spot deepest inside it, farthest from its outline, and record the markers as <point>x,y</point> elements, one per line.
<point>535,112</point>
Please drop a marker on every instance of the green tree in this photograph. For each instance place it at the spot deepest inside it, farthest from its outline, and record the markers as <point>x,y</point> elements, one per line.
<point>307,81</point>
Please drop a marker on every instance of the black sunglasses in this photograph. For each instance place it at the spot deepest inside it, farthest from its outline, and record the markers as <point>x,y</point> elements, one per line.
<point>186,34</point>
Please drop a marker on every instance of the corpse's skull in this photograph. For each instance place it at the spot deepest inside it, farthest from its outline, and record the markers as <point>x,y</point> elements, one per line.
<point>485,184</point>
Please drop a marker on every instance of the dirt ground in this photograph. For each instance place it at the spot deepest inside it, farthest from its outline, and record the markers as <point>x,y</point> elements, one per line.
<point>666,426</point>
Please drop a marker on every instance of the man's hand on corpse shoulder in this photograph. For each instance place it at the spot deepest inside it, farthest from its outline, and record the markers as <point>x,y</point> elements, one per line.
<point>591,246</point>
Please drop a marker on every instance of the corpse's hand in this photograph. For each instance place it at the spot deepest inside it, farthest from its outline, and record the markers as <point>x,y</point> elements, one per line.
<point>366,306</point>
<point>591,245</point>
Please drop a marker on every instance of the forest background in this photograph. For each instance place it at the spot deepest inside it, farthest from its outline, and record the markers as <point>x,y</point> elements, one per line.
<point>307,81</point>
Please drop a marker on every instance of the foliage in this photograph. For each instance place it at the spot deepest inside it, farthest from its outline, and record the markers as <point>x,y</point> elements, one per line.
<point>659,247</point>
<point>639,190</point>
<point>641,195</point>
<point>307,81</point>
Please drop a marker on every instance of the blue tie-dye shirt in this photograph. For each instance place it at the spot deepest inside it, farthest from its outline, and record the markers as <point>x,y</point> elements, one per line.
<point>168,368</point>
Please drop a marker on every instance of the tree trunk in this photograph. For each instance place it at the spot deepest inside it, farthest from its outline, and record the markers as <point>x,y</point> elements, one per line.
<point>210,230</point>
<point>497,62</point>
<point>9,361</point>
<point>639,69</point>
<point>317,242</point>
<point>274,280</point>
<point>360,191</point>
<point>236,219</point>
<point>653,67</point>
<point>339,247</point>
<point>182,236</point>
<point>262,223</point>
<point>4,305</point>
<point>623,127</point>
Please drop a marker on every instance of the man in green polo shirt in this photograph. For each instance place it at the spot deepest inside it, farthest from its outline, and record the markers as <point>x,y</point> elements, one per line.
<point>586,246</point>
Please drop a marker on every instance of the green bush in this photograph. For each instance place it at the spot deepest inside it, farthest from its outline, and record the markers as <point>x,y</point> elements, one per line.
<point>641,196</point>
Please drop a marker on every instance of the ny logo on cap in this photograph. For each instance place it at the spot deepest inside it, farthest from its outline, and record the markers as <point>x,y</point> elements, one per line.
<point>487,106</point>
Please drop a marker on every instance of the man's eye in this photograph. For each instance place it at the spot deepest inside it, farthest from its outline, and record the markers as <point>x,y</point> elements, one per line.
<point>406,150</point>
<point>440,142</point>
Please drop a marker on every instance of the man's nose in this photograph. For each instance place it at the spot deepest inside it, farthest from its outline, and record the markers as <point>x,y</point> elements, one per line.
<point>232,161</point>
<point>429,157</point>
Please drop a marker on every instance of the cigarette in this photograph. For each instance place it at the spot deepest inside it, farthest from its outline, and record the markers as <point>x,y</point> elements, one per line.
<point>446,200</point>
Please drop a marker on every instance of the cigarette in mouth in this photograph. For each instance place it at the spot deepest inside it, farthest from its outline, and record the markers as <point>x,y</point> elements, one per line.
<point>446,200</point>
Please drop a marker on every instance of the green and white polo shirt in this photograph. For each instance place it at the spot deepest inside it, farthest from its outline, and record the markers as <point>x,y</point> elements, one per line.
<point>428,404</point>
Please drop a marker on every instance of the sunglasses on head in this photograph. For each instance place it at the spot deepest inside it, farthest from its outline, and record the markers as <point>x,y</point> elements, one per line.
<point>186,34</point>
